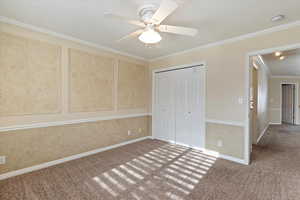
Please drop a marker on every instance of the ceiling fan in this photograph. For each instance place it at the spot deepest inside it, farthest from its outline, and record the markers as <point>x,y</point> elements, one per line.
<point>150,21</point>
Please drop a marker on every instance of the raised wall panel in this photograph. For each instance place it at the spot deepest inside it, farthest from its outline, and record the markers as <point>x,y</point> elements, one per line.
<point>91,82</point>
<point>30,76</point>
<point>132,86</point>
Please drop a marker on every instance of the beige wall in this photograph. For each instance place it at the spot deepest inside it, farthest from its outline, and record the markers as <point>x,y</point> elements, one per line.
<point>275,98</point>
<point>46,79</point>
<point>226,79</point>
<point>25,148</point>
<point>225,84</point>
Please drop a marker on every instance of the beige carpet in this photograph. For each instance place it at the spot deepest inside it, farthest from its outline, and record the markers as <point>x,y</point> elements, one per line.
<point>153,169</point>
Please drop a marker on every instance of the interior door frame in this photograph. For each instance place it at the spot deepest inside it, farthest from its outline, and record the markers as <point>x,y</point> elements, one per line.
<point>247,138</point>
<point>296,107</point>
<point>177,67</point>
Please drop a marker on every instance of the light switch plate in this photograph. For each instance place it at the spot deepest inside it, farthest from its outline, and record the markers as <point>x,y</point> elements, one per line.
<point>2,160</point>
<point>129,132</point>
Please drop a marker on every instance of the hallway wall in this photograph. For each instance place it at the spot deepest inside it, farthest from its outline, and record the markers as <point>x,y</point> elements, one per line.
<point>262,118</point>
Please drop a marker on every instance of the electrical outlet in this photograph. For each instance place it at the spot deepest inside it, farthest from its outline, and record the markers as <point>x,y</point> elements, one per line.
<point>140,130</point>
<point>129,132</point>
<point>220,143</point>
<point>2,160</point>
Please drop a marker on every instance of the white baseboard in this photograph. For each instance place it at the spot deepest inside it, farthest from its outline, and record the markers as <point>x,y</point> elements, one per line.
<point>225,157</point>
<point>275,123</point>
<point>262,133</point>
<point>66,159</point>
<point>231,123</point>
<point>216,154</point>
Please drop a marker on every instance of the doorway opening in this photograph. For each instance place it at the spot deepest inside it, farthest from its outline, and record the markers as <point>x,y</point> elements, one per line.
<point>288,103</point>
<point>273,79</point>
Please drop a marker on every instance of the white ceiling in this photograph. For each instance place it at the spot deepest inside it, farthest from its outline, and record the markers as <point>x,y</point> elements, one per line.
<point>216,20</point>
<point>290,66</point>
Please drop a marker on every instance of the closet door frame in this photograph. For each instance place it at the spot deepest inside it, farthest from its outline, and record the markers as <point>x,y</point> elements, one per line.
<point>203,113</point>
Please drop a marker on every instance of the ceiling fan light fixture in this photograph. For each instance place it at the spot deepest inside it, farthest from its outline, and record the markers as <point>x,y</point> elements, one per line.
<point>150,36</point>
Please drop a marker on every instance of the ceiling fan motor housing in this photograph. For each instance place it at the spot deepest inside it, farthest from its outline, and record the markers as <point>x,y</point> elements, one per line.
<point>146,12</point>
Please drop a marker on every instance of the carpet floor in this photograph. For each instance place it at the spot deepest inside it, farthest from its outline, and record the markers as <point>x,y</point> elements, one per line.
<point>152,169</point>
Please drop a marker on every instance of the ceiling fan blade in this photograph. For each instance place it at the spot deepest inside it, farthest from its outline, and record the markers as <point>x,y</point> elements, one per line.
<point>124,19</point>
<point>178,30</point>
<point>131,35</point>
<point>165,9</point>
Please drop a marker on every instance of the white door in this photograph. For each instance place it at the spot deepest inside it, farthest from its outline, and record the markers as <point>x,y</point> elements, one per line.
<point>163,115</point>
<point>179,106</point>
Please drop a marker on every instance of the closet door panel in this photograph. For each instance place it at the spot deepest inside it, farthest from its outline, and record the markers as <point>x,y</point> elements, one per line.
<point>164,109</point>
<point>182,108</point>
<point>189,107</point>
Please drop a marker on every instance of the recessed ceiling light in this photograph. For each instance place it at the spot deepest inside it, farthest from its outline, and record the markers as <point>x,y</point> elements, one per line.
<point>277,18</point>
<point>282,57</point>
<point>278,53</point>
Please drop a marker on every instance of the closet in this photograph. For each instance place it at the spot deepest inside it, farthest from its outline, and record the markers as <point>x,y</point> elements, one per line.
<point>179,106</point>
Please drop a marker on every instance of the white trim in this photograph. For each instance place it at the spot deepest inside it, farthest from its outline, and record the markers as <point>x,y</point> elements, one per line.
<point>231,123</point>
<point>200,64</point>
<point>292,77</point>
<point>264,65</point>
<point>210,152</point>
<point>75,121</point>
<point>275,123</point>
<point>234,39</point>
<point>248,141</point>
<point>225,157</point>
<point>262,133</point>
<point>66,37</point>
<point>66,159</point>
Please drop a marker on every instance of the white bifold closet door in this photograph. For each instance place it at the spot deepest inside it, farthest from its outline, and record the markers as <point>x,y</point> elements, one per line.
<point>179,106</point>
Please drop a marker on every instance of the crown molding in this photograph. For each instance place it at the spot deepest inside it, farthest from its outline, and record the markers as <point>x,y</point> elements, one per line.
<point>231,40</point>
<point>67,37</point>
<point>100,47</point>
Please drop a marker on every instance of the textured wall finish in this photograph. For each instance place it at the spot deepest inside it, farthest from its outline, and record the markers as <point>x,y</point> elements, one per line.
<point>25,148</point>
<point>132,85</point>
<point>29,76</point>
<point>91,82</point>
